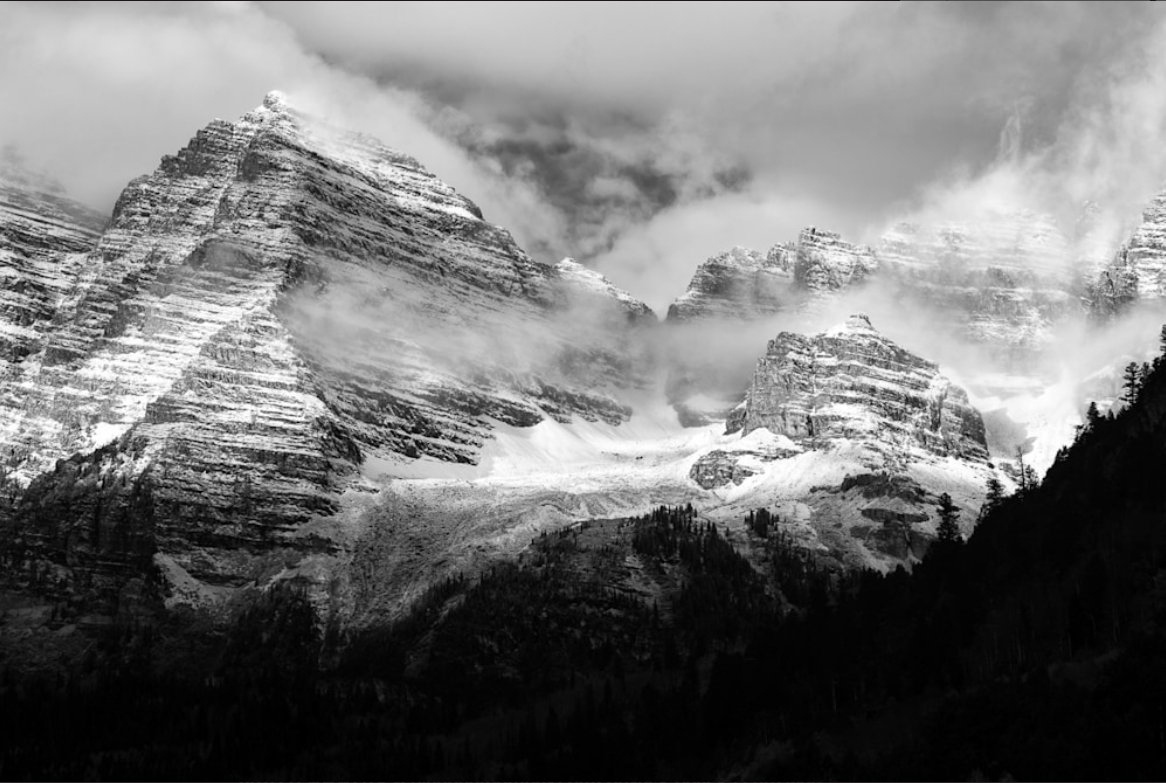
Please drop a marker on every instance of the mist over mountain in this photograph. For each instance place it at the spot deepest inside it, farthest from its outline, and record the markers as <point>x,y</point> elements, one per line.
<point>505,395</point>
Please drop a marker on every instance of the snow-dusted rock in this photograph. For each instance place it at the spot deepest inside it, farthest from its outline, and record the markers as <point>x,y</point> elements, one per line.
<point>585,287</point>
<point>745,285</point>
<point>42,233</point>
<point>718,468</point>
<point>739,284</point>
<point>853,383</point>
<point>1138,268</point>
<point>1002,278</point>
<point>826,264</point>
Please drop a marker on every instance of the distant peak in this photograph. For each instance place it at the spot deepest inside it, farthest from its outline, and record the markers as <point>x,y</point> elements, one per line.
<point>275,101</point>
<point>859,321</point>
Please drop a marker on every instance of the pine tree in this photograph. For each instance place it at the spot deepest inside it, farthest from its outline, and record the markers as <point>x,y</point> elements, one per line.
<point>1162,339</point>
<point>1024,471</point>
<point>1092,416</point>
<point>1029,478</point>
<point>993,497</point>
<point>948,530</point>
<point>1131,382</point>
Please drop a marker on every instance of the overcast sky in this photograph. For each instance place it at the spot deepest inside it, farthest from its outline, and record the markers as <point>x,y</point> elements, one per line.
<point>639,138</point>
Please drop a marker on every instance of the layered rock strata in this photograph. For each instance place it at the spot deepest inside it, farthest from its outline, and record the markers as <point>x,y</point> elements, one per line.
<point>853,383</point>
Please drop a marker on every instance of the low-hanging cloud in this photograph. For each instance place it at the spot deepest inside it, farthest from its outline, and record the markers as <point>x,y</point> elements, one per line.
<point>639,141</point>
<point>856,109</point>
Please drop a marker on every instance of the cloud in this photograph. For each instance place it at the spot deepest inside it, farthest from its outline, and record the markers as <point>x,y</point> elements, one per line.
<point>637,141</point>
<point>656,259</point>
<point>866,111</point>
<point>97,94</point>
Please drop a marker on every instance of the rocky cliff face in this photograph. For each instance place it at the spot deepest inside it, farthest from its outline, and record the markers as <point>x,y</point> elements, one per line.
<point>826,264</point>
<point>1004,278</point>
<point>42,236</point>
<point>746,285</point>
<point>277,304</point>
<point>1138,269</point>
<point>739,284</point>
<point>853,383</point>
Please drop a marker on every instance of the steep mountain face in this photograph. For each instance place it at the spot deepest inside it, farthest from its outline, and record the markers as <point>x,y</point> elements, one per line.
<point>826,264</point>
<point>277,305</point>
<point>1138,269</point>
<point>42,233</point>
<point>744,285</point>
<point>852,382</point>
<point>855,438</point>
<point>740,284</point>
<point>1003,278</point>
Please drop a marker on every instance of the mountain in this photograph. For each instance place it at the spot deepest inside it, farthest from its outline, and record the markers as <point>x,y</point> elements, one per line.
<point>276,316</point>
<point>295,357</point>
<point>297,423</point>
<point>744,285</point>
<point>992,296</point>
<point>828,386</point>
<point>855,437</point>
<point>738,284</point>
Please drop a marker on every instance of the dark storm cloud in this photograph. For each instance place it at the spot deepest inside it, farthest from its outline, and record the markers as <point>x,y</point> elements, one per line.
<point>641,138</point>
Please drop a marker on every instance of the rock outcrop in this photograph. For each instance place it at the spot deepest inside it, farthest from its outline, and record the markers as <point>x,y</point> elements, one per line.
<point>718,468</point>
<point>827,264</point>
<point>852,383</point>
